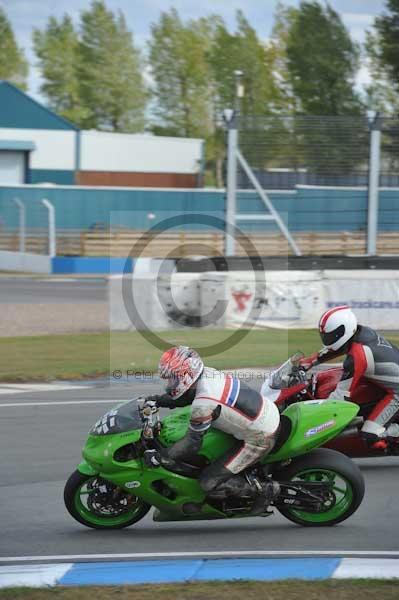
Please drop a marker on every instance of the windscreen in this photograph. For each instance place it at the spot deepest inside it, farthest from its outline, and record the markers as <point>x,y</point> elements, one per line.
<point>123,418</point>
<point>280,378</point>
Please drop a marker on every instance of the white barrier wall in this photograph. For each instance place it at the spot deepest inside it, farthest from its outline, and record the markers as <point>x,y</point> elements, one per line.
<point>282,299</point>
<point>373,295</point>
<point>159,301</point>
<point>24,262</point>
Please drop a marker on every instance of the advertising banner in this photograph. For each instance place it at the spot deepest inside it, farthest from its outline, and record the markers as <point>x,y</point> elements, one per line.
<point>245,299</point>
<point>374,299</point>
<point>286,300</point>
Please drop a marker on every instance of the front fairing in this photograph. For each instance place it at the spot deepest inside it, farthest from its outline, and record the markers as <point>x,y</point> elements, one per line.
<point>165,489</point>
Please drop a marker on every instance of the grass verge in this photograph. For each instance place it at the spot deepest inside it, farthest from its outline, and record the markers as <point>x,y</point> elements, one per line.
<point>44,358</point>
<point>267,590</point>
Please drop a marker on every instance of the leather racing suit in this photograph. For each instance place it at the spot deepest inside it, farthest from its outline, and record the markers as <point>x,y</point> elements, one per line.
<point>372,357</point>
<point>226,403</point>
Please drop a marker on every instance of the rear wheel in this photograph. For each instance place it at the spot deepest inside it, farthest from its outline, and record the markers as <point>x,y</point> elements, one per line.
<point>100,504</point>
<point>346,487</point>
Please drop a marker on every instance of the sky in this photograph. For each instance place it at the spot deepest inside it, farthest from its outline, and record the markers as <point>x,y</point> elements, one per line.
<point>25,15</point>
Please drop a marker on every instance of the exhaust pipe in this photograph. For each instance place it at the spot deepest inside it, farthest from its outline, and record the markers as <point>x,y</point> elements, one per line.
<point>352,428</point>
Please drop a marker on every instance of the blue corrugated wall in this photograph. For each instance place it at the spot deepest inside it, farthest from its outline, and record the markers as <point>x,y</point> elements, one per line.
<point>306,209</point>
<point>56,176</point>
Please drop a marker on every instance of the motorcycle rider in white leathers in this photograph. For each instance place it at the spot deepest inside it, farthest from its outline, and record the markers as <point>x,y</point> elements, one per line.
<point>222,401</point>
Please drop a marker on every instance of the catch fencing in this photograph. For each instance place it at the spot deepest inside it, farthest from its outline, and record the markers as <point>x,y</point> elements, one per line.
<point>286,153</point>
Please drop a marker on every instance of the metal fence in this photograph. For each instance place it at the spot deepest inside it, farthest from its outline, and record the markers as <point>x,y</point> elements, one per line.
<point>284,152</point>
<point>389,162</point>
<point>27,226</point>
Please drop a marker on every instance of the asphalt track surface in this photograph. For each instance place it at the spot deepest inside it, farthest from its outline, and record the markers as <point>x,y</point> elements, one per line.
<point>48,290</point>
<point>41,435</point>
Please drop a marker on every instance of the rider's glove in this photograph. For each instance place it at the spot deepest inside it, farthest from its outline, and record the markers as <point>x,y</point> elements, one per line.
<point>309,361</point>
<point>149,407</point>
<point>152,459</point>
<point>297,375</point>
<point>162,400</point>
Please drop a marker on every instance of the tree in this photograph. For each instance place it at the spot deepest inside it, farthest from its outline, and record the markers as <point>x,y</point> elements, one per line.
<point>182,80</point>
<point>323,61</point>
<point>382,46</point>
<point>277,57</point>
<point>57,48</point>
<point>111,86</point>
<point>387,27</point>
<point>243,51</point>
<point>13,64</point>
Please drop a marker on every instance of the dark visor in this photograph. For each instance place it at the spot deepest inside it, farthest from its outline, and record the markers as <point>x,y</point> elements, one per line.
<point>332,336</point>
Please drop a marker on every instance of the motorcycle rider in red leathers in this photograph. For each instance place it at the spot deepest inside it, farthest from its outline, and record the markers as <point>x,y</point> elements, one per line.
<point>369,356</point>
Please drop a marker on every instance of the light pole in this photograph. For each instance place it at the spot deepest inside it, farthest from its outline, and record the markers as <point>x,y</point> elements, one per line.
<point>240,91</point>
<point>231,118</point>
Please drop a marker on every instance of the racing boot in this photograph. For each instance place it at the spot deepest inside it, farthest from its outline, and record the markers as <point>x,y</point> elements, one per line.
<point>392,433</point>
<point>266,492</point>
<point>391,438</point>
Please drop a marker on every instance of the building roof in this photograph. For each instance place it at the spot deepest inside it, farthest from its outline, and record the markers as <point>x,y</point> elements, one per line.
<point>20,111</point>
<point>17,145</point>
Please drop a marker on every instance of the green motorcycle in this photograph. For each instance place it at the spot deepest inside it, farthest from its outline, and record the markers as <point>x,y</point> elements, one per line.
<point>126,471</point>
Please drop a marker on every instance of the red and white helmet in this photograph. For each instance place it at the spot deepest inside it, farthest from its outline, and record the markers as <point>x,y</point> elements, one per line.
<point>337,326</point>
<point>181,366</point>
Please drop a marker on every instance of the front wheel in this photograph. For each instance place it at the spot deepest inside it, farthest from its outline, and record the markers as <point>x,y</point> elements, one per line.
<point>100,504</point>
<point>345,482</point>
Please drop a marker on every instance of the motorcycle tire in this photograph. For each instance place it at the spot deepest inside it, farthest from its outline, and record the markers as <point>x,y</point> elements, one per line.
<point>93,518</point>
<point>324,464</point>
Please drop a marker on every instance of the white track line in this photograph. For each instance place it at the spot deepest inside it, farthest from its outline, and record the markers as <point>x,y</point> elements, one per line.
<point>23,388</point>
<point>61,402</point>
<point>220,554</point>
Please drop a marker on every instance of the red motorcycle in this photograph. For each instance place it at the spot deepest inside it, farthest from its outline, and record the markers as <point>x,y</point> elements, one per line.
<point>296,386</point>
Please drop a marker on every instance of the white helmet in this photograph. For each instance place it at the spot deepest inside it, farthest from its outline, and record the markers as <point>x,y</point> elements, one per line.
<point>337,326</point>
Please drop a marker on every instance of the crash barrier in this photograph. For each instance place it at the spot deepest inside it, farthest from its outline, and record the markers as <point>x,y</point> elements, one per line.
<point>90,265</point>
<point>24,262</point>
<point>122,243</point>
<point>237,299</point>
<point>199,569</point>
<point>287,263</point>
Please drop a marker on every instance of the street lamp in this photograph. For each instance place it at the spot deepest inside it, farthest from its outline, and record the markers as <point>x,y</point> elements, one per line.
<point>240,91</point>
